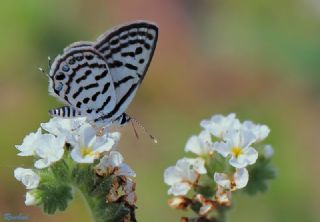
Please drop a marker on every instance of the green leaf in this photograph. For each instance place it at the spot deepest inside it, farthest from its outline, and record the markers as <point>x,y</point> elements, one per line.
<point>115,212</point>
<point>217,163</point>
<point>195,206</point>
<point>54,196</point>
<point>102,186</point>
<point>206,191</point>
<point>61,171</point>
<point>259,176</point>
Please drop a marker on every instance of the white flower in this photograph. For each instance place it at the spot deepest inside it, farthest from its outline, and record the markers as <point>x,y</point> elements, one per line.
<point>237,181</point>
<point>29,144</point>
<point>207,205</point>
<point>115,136</point>
<point>30,199</point>
<point>113,164</point>
<point>129,190</point>
<point>238,144</point>
<point>219,125</point>
<point>89,146</point>
<point>50,150</point>
<point>66,127</point>
<point>29,178</point>
<point>201,144</point>
<point>223,196</point>
<point>260,131</point>
<point>184,175</point>
<point>268,151</point>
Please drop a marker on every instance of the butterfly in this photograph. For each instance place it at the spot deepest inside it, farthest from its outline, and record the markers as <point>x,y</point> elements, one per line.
<point>99,79</point>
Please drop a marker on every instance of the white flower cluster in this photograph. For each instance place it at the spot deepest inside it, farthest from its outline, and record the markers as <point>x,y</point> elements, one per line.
<point>226,136</point>
<point>87,144</point>
<point>49,147</point>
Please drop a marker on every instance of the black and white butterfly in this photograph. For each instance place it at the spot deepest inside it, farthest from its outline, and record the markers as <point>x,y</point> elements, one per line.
<point>99,79</point>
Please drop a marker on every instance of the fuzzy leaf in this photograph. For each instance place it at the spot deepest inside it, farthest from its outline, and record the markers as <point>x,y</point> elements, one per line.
<point>216,163</point>
<point>102,186</point>
<point>115,212</point>
<point>260,174</point>
<point>61,171</point>
<point>54,196</point>
<point>206,191</point>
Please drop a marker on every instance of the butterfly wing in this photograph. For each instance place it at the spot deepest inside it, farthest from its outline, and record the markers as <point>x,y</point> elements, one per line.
<point>128,50</point>
<point>81,79</point>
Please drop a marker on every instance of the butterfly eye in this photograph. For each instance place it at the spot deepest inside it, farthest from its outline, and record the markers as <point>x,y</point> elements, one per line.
<point>65,68</point>
<point>59,86</point>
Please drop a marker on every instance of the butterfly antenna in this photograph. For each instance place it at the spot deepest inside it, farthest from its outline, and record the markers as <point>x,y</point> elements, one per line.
<point>43,71</point>
<point>49,62</point>
<point>140,125</point>
<point>134,129</point>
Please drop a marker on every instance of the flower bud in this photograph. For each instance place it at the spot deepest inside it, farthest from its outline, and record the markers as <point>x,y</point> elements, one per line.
<point>179,202</point>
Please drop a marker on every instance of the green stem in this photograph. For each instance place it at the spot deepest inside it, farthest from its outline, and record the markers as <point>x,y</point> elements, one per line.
<point>221,215</point>
<point>88,202</point>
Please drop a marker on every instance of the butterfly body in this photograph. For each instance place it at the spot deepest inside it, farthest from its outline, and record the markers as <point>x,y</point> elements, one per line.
<point>99,79</point>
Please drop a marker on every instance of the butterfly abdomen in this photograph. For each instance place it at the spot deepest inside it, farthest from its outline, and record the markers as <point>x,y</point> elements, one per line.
<point>65,111</point>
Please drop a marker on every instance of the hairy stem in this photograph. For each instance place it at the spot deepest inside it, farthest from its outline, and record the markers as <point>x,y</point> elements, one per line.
<point>88,202</point>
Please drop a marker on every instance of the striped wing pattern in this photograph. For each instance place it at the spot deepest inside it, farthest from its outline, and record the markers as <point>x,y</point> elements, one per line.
<point>128,51</point>
<point>80,78</point>
<point>99,79</point>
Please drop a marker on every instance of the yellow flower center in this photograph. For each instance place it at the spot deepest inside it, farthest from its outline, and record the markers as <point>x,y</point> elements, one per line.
<point>86,151</point>
<point>236,151</point>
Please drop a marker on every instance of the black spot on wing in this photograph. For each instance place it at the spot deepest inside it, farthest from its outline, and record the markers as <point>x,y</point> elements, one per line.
<point>105,88</point>
<point>115,64</point>
<point>128,54</point>
<point>102,75</point>
<point>86,100</point>
<point>90,86</point>
<point>76,69</point>
<point>130,66</point>
<point>60,76</point>
<point>85,76</point>
<point>104,104</point>
<point>119,104</point>
<point>95,96</point>
<point>77,93</point>
<point>138,50</point>
<point>123,46</point>
<point>121,81</point>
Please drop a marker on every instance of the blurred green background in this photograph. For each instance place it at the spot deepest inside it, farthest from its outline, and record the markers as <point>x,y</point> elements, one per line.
<point>258,58</point>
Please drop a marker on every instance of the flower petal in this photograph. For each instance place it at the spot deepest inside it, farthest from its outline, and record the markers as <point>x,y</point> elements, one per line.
<point>239,162</point>
<point>179,189</point>
<point>29,144</point>
<point>172,175</point>
<point>268,151</point>
<point>193,145</point>
<point>30,199</point>
<point>77,156</point>
<point>251,155</point>
<point>241,178</point>
<point>125,170</point>
<point>28,177</point>
<point>222,179</point>
<point>223,148</point>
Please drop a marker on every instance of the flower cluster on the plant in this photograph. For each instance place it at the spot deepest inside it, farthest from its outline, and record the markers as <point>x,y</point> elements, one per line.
<point>72,154</point>
<point>228,154</point>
